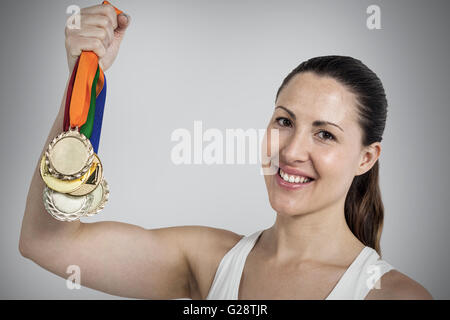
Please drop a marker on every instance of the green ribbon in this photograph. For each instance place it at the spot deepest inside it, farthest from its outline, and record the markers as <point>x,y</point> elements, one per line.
<point>86,128</point>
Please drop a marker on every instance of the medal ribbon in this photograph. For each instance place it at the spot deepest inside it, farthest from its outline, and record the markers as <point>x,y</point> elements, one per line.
<point>86,129</point>
<point>85,98</point>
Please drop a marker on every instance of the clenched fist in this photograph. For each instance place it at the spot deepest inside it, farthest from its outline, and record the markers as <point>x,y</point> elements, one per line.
<point>101,31</point>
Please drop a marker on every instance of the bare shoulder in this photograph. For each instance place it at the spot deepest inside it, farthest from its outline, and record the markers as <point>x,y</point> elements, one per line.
<point>395,285</point>
<point>204,248</point>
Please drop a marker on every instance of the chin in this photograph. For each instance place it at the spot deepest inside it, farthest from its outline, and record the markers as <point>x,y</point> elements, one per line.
<point>284,208</point>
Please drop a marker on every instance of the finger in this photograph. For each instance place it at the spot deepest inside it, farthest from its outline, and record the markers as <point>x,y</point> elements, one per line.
<point>92,9</point>
<point>98,21</point>
<point>76,44</point>
<point>96,32</point>
<point>92,26</point>
<point>106,10</point>
<point>123,21</point>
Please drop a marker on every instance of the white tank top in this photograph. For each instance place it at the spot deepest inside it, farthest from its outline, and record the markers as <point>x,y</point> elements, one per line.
<point>356,282</point>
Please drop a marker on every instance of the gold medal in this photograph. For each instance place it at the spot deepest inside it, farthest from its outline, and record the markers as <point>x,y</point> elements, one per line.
<point>69,155</point>
<point>100,197</point>
<point>65,207</point>
<point>63,186</point>
<point>94,179</point>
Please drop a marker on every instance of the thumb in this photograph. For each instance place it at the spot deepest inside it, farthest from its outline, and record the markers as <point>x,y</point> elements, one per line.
<point>123,21</point>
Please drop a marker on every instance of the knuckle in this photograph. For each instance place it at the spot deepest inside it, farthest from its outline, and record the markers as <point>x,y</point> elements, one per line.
<point>110,13</point>
<point>102,34</point>
<point>104,22</point>
<point>109,25</point>
<point>110,10</point>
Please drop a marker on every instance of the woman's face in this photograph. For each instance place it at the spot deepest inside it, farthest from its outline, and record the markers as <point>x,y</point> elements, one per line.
<point>330,154</point>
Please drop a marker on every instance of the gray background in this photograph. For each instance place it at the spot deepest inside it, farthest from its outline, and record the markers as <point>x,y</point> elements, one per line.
<point>221,62</point>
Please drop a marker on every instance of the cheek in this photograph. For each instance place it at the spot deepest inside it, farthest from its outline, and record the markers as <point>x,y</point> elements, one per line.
<point>326,161</point>
<point>336,166</point>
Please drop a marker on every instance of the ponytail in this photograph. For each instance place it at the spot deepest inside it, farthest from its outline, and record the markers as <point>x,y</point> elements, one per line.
<point>364,210</point>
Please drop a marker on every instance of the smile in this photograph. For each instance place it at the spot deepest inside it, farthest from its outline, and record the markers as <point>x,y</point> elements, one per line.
<point>290,181</point>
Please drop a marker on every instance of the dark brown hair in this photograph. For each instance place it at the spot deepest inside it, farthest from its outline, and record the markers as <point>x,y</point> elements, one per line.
<point>364,210</point>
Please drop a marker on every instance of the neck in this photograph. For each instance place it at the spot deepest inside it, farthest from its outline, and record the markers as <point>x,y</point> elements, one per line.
<point>321,236</point>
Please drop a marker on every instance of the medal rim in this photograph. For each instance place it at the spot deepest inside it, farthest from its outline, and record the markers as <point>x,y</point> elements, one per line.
<point>74,133</point>
<point>90,172</point>
<point>56,213</point>
<point>105,197</point>
<point>54,183</point>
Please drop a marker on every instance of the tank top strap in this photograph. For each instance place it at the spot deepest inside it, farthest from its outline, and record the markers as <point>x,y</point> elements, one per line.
<point>360,277</point>
<point>226,281</point>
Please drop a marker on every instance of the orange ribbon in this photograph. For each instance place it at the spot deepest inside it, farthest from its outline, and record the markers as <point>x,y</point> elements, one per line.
<point>117,10</point>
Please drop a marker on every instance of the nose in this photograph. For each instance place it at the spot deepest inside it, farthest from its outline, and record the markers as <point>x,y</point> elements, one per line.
<point>296,148</point>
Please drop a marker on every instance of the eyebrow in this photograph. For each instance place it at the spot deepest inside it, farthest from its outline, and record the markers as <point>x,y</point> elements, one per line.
<point>316,123</point>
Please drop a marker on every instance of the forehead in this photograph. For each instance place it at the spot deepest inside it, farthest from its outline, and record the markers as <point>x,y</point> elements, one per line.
<point>309,95</point>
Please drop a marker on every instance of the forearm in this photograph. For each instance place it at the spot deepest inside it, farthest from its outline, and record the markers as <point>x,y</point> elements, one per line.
<point>39,227</point>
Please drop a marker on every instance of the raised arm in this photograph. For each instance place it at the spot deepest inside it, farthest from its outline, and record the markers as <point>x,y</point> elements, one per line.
<point>115,258</point>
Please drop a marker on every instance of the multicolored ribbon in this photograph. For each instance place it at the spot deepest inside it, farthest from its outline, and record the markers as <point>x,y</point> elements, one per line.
<point>98,118</point>
<point>86,128</point>
<point>86,95</point>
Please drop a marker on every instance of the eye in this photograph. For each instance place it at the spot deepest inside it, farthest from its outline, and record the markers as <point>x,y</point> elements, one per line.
<point>284,122</point>
<point>327,136</point>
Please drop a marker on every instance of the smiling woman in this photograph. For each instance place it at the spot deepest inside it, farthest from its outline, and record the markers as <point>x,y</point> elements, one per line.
<point>330,114</point>
<point>325,244</point>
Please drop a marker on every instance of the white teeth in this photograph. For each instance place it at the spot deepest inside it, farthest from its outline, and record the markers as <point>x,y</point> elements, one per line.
<point>292,178</point>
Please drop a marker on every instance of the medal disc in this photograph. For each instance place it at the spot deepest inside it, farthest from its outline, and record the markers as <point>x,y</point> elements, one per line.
<point>63,186</point>
<point>92,181</point>
<point>69,155</point>
<point>100,197</point>
<point>65,207</point>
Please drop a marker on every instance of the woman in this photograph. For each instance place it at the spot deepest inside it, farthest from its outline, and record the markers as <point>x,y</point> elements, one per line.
<point>324,244</point>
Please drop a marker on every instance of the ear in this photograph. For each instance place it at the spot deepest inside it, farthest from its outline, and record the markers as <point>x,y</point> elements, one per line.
<point>369,155</point>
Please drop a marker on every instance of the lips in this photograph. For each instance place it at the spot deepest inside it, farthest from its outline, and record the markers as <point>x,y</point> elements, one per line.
<point>291,185</point>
